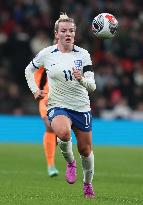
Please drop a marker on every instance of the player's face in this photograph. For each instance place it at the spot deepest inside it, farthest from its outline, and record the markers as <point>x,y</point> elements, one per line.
<point>66,34</point>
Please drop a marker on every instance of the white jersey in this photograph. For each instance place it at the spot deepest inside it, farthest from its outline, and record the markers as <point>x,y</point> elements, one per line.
<point>64,90</point>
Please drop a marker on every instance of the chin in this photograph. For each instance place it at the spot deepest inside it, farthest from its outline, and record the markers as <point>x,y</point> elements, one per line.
<point>68,44</point>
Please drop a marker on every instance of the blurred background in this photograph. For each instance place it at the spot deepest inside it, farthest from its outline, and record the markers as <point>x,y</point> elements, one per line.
<point>26,26</point>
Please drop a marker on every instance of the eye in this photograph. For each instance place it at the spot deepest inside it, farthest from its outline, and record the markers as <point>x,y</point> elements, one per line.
<point>72,30</point>
<point>63,31</point>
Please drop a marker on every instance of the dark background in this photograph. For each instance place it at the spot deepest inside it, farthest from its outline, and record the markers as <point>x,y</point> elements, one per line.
<point>26,27</point>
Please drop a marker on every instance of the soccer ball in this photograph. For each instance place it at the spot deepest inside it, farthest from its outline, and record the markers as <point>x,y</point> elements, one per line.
<point>105,26</point>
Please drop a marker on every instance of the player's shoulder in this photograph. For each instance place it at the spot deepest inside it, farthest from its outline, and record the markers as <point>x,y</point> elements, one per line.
<point>80,50</point>
<point>49,49</point>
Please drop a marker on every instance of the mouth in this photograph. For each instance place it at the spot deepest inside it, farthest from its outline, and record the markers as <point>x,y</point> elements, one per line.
<point>68,40</point>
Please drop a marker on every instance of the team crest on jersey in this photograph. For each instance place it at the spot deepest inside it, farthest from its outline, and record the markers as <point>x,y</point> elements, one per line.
<point>78,64</point>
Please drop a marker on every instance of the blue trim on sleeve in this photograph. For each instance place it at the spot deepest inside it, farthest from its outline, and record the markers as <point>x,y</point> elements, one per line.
<point>74,50</point>
<point>55,50</point>
<point>34,65</point>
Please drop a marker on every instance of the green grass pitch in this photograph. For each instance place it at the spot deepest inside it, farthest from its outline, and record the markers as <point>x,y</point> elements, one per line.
<point>118,177</point>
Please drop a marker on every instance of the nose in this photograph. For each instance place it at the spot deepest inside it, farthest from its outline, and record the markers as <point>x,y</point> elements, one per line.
<point>68,33</point>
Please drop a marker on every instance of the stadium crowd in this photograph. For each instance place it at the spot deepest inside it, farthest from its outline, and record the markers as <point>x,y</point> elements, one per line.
<point>26,26</point>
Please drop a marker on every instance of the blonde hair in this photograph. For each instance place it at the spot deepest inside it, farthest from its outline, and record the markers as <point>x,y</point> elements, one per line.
<point>63,18</point>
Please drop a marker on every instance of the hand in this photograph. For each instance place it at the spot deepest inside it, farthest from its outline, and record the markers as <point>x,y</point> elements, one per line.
<point>77,74</point>
<point>40,94</point>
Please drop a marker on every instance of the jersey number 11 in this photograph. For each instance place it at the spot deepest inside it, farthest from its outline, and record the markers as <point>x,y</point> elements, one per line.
<point>68,75</point>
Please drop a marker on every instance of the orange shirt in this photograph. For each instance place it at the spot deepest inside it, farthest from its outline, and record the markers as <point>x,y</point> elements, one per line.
<point>38,77</point>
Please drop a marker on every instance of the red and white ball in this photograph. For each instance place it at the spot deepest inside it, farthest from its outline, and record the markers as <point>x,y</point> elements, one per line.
<point>105,26</point>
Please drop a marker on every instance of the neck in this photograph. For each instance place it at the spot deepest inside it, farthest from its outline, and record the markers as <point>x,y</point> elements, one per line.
<point>65,49</point>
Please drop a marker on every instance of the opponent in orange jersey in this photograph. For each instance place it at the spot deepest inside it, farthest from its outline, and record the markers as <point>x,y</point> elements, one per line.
<point>49,138</point>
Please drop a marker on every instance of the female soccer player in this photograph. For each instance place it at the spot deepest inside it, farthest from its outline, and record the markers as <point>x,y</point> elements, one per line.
<point>49,138</point>
<point>70,77</point>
